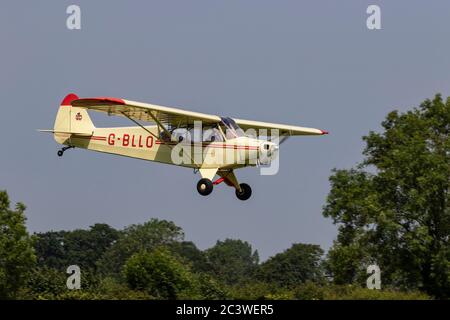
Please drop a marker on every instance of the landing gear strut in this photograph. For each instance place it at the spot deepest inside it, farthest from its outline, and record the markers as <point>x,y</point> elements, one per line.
<point>205,186</point>
<point>61,152</point>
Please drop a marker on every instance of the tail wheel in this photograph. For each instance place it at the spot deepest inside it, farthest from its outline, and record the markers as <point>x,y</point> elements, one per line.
<point>204,186</point>
<point>60,153</point>
<point>246,192</point>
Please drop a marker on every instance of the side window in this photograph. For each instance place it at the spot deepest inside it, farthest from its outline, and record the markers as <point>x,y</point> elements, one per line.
<point>212,135</point>
<point>229,134</point>
<point>208,135</point>
<point>194,135</point>
<point>180,135</point>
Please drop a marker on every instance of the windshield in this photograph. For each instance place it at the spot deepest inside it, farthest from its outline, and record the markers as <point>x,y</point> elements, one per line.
<point>232,130</point>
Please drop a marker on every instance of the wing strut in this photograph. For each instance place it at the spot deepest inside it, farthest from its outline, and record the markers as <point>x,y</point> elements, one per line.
<point>160,125</point>
<point>140,125</point>
<point>157,138</point>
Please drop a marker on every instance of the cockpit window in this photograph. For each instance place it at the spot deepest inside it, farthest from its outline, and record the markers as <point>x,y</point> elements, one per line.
<point>212,135</point>
<point>209,134</point>
<point>232,130</point>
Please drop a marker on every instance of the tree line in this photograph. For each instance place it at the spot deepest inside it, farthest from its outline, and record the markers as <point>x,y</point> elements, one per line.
<point>392,210</point>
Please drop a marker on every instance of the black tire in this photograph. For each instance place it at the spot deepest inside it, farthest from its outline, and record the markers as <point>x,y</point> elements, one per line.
<point>60,153</point>
<point>205,186</point>
<point>246,192</point>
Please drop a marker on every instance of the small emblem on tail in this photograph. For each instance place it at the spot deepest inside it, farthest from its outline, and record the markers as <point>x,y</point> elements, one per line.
<point>78,117</point>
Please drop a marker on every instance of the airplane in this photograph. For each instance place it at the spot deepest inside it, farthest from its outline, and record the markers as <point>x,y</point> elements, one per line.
<point>209,144</point>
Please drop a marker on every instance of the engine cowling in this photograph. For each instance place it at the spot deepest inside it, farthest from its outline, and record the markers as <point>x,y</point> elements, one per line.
<point>268,151</point>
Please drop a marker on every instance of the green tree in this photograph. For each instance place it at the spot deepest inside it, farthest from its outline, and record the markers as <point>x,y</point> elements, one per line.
<point>210,288</point>
<point>160,274</point>
<point>16,248</point>
<point>50,250</point>
<point>189,252</point>
<point>81,247</point>
<point>44,282</point>
<point>232,261</point>
<point>136,238</point>
<point>393,209</point>
<point>296,265</point>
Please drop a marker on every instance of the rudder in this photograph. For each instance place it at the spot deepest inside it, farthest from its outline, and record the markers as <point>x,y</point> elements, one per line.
<point>71,119</point>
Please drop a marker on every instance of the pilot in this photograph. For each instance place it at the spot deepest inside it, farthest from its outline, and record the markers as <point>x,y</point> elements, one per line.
<point>164,136</point>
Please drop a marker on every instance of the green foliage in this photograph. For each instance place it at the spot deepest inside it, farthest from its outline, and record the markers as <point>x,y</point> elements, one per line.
<point>209,288</point>
<point>256,290</point>
<point>159,273</point>
<point>189,253</point>
<point>300,263</point>
<point>232,261</point>
<point>111,289</point>
<point>17,256</point>
<point>45,281</point>
<point>314,291</point>
<point>125,294</point>
<point>43,287</point>
<point>136,238</point>
<point>399,215</point>
<point>81,247</point>
<point>49,247</point>
<point>310,291</point>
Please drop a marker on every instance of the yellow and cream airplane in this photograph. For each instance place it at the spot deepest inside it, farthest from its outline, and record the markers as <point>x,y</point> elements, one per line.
<point>209,144</point>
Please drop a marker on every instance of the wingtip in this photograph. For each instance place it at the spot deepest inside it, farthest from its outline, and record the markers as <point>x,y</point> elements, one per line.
<point>324,131</point>
<point>98,101</point>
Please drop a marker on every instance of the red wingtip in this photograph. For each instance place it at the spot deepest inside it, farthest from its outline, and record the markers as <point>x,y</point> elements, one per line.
<point>68,99</point>
<point>324,132</point>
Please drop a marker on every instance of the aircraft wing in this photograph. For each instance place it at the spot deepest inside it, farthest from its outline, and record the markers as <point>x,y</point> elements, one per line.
<point>284,130</point>
<point>179,117</point>
<point>145,111</point>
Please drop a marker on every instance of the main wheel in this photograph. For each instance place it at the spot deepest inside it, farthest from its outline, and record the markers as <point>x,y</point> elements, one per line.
<point>204,186</point>
<point>60,153</point>
<point>246,192</point>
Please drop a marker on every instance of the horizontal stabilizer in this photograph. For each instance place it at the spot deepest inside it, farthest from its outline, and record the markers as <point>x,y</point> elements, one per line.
<point>83,134</point>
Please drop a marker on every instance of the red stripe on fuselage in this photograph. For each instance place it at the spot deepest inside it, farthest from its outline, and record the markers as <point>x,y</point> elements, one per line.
<point>91,138</point>
<point>204,145</point>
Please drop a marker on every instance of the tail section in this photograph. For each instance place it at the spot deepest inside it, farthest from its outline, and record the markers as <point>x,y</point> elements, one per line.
<point>71,120</point>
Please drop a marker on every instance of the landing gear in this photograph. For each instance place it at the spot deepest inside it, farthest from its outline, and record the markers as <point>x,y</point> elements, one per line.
<point>204,186</point>
<point>61,152</point>
<point>245,193</point>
